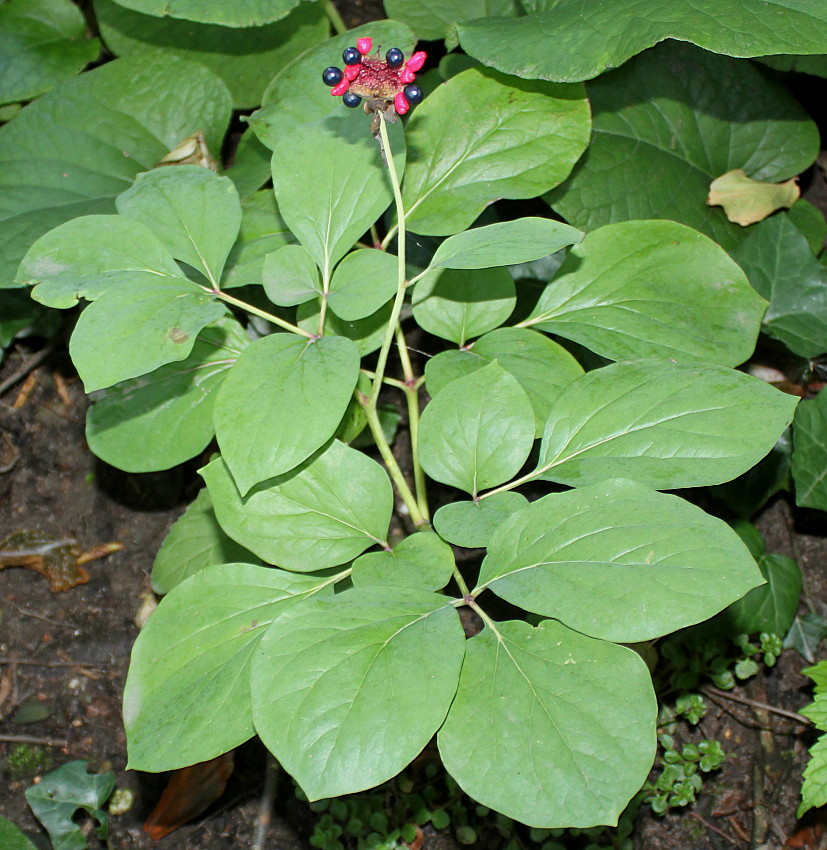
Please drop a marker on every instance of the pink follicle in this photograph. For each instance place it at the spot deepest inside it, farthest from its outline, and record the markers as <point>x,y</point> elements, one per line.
<point>352,72</point>
<point>364,45</point>
<point>400,104</point>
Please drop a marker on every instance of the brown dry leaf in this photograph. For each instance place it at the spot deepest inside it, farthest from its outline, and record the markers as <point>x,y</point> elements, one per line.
<point>746,201</point>
<point>192,151</point>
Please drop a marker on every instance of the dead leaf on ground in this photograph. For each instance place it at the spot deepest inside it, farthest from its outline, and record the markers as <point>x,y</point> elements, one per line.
<point>746,201</point>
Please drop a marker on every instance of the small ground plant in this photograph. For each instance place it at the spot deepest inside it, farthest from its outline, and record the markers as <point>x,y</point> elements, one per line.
<point>313,595</point>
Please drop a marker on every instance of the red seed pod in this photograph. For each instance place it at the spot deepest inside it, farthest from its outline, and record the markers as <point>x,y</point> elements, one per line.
<point>352,72</point>
<point>364,45</point>
<point>341,88</point>
<point>406,76</point>
<point>416,61</point>
<point>400,104</point>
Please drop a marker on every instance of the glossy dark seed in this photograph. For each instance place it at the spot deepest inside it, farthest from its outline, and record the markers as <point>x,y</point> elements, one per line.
<point>332,75</point>
<point>413,93</point>
<point>394,57</point>
<point>351,100</point>
<point>351,56</point>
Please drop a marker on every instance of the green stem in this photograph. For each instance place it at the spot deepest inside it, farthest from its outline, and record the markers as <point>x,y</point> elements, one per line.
<point>391,382</point>
<point>412,399</point>
<point>334,17</point>
<point>249,308</point>
<point>484,617</point>
<point>401,271</point>
<point>402,348</point>
<point>463,587</point>
<point>530,476</point>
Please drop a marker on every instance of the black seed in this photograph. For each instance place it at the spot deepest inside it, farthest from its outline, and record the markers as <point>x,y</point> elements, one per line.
<point>332,75</point>
<point>413,93</point>
<point>394,57</point>
<point>351,56</point>
<point>351,100</point>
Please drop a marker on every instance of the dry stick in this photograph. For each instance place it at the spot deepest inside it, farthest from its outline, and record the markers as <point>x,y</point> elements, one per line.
<point>714,828</point>
<point>265,806</point>
<point>30,739</point>
<point>33,662</point>
<point>32,363</point>
<point>755,704</point>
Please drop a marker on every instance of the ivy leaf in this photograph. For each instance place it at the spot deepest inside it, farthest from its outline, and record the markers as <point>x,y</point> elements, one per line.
<point>662,423</point>
<point>568,719</point>
<point>363,282</point>
<point>322,514</point>
<point>472,524</point>
<point>636,168</point>
<point>618,561</point>
<point>290,276</point>
<point>256,419</point>
<point>810,453</point>
<point>433,19</point>
<point>805,635</point>
<point>115,121</point>
<point>195,541</point>
<point>498,137</point>
<point>242,13</point>
<point>41,43</point>
<point>480,433</point>
<point>746,201</point>
<point>589,39</point>
<point>193,211</point>
<point>187,695</point>
<point>652,289</point>
<point>56,798</point>
<point>347,691</point>
<point>420,561</point>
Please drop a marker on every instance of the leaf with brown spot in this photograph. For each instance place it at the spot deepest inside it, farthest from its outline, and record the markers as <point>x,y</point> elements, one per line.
<point>746,201</point>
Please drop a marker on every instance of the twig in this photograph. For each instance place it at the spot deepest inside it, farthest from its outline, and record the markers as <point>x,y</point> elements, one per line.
<point>33,662</point>
<point>715,829</point>
<point>26,613</point>
<point>30,365</point>
<point>265,806</point>
<point>792,715</point>
<point>31,739</point>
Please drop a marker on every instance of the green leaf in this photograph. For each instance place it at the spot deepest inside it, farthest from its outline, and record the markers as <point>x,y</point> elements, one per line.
<point>240,13</point>
<point>481,137</point>
<point>290,276</point>
<point>420,561</point>
<point>368,334</point>
<point>251,167</point>
<point>322,514</point>
<point>636,167</point>
<point>504,243</point>
<point>589,39</point>
<point>461,304</point>
<point>331,184</point>
<point>363,282</point>
<point>814,788</point>
<point>282,401</point>
<point>479,434</point>
<point>12,838</point>
<point>187,695</point>
<point>164,418</point>
<point>805,635</point>
<point>662,423</point>
<point>139,327</point>
<point>41,43</point>
<point>114,121</point>
<point>810,453</point>
<point>818,674</point>
<point>542,367</point>
<point>780,265</point>
<point>810,221</point>
<point>193,211</point>
<point>347,691</point>
<point>815,65</point>
<point>652,289</point>
<point>433,19</point>
<point>550,727</point>
<point>472,524</point>
<point>90,255</point>
<point>194,542</point>
<point>61,793</point>
<point>618,561</point>
<point>263,231</point>
<point>817,712</point>
<point>244,56</point>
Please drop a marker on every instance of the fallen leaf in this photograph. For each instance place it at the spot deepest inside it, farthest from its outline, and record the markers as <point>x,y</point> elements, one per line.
<point>746,201</point>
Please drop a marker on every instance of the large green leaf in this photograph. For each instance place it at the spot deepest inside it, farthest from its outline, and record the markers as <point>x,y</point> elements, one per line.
<point>282,400</point>
<point>138,328</point>
<point>421,560</point>
<point>479,434</point>
<point>780,265</point>
<point>618,561</point>
<point>165,417</point>
<point>363,282</point>
<point>482,136</point>
<point>194,542</point>
<point>472,524</point>
<point>433,19</point>
<point>239,13</point>
<point>810,453</point>
<point>325,513</point>
<point>459,304</point>
<point>331,184</point>
<point>570,40</point>
<point>662,423</point>
<point>290,276</point>
<point>113,122</point>
<point>187,695</point>
<point>652,289</point>
<point>550,727</point>
<point>542,367</point>
<point>245,57</point>
<point>670,121</point>
<point>193,211</point>
<point>347,691</point>
<point>41,43</point>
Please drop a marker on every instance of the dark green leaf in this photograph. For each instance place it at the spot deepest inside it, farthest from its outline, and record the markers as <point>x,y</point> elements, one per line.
<point>805,635</point>
<point>363,282</point>
<point>421,561</point>
<point>810,453</point>
<point>240,13</point>
<point>251,167</point>
<point>472,524</point>
<point>290,276</point>
<point>433,19</point>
